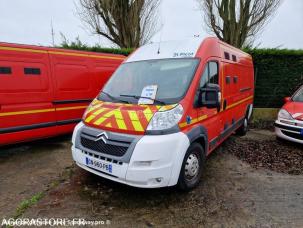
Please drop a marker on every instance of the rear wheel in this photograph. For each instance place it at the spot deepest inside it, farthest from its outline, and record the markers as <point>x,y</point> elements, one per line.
<point>243,129</point>
<point>192,167</point>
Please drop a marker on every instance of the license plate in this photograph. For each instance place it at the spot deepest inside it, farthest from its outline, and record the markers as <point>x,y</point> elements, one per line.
<point>105,167</point>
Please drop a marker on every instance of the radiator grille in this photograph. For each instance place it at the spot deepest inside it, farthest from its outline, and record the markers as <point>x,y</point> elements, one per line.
<point>293,135</point>
<point>102,147</point>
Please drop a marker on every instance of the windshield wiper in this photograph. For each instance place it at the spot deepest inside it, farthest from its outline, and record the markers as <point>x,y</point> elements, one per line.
<point>114,98</point>
<point>138,97</point>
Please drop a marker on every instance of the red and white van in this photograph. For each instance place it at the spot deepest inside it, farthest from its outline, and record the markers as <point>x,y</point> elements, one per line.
<point>289,124</point>
<point>44,91</point>
<point>164,110</point>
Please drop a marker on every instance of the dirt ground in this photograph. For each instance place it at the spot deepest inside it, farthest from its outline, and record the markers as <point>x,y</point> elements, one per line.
<point>232,192</point>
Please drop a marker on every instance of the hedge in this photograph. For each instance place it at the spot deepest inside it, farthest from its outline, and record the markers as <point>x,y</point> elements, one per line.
<point>77,45</point>
<point>278,72</point>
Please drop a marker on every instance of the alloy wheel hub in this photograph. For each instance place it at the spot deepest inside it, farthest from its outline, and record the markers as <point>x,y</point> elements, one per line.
<point>191,167</point>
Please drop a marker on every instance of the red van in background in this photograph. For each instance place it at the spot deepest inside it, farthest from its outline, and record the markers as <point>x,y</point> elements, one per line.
<point>44,91</point>
<point>164,110</point>
<point>289,124</point>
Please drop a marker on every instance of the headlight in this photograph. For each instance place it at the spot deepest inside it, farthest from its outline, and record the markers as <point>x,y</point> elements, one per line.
<point>163,120</point>
<point>283,114</point>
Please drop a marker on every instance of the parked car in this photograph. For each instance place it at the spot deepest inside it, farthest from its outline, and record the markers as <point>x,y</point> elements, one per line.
<point>44,91</point>
<point>289,124</point>
<point>164,110</point>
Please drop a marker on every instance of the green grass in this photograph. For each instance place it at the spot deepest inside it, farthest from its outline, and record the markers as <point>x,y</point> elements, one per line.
<point>25,204</point>
<point>264,118</point>
<point>265,114</point>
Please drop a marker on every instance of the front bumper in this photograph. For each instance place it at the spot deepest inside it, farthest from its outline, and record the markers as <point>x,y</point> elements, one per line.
<point>290,132</point>
<point>155,161</point>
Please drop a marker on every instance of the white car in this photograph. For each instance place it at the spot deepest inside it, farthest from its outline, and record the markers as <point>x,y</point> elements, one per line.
<point>289,124</point>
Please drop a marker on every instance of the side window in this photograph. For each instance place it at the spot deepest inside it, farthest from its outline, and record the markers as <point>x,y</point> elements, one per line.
<point>210,74</point>
<point>5,70</point>
<point>32,71</point>
<point>213,73</point>
<point>204,77</point>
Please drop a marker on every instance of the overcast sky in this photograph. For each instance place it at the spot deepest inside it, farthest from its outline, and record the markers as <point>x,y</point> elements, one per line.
<point>29,22</point>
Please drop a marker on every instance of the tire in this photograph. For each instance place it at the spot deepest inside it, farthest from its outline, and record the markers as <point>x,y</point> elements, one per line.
<point>243,129</point>
<point>192,167</point>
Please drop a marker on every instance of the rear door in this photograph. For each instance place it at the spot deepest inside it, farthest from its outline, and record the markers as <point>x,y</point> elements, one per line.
<point>25,90</point>
<point>74,88</point>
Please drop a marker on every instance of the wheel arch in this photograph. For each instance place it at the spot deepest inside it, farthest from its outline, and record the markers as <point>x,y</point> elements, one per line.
<point>199,134</point>
<point>249,111</point>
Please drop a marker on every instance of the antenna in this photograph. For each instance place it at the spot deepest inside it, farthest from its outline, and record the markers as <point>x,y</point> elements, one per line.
<point>52,33</point>
<point>160,39</point>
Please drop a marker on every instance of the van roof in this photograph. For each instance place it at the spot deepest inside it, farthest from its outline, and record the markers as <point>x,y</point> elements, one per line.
<point>167,49</point>
<point>54,50</point>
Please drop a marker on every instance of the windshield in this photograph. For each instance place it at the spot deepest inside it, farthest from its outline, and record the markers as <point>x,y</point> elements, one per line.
<point>298,97</point>
<point>171,77</point>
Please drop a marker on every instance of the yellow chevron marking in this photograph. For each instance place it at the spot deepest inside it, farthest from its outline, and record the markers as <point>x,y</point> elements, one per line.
<point>133,115</point>
<point>93,115</point>
<point>118,117</point>
<point>100,120</point>
<point>135,121</point>
<point>148,113</point>
<point>110,113</point>
<point>166,108</point>
<point>95,107</point>
<point>121,124</point>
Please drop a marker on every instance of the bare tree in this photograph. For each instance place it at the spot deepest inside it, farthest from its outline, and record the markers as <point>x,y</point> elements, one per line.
<point>127,23</point>
<point>237,22</point>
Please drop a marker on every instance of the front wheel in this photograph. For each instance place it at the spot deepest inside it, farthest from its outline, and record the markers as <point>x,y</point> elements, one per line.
<point>192,167</point>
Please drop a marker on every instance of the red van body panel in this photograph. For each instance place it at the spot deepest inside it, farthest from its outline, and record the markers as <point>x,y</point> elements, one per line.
<point>163,141</point>
<point>44,91</point>
<point>236,80</point>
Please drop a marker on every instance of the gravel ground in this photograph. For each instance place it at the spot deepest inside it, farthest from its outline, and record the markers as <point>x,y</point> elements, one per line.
<point>277,155</point>
<point>233,192</point>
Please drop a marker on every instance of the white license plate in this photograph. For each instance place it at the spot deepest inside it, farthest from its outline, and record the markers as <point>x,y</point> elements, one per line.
<point>102,166</point>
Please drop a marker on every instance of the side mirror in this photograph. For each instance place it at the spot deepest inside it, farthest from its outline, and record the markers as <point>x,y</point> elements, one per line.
<point>210,96</point>
<point>287,99</point>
